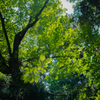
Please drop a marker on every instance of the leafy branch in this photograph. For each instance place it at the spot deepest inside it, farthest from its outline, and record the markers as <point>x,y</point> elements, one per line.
<point>30,59</point>
<point>20,35</point>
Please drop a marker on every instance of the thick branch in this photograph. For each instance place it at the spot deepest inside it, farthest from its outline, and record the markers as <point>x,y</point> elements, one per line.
<point>21,34</point>
<point>4,29</point>
<point>41,9</point>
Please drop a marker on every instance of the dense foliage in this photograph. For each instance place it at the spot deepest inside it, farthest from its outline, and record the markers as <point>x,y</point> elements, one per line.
<point>39,47</point>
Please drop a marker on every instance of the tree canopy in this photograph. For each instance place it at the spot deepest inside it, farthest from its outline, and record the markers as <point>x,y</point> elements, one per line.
<point>38,44</point>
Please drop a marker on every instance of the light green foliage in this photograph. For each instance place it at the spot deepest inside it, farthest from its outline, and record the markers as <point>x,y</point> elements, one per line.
<point>42,57</point>
<point>98,95</point>
<point>2,76</point>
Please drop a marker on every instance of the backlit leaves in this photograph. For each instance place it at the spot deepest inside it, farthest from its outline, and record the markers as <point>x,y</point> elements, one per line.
<point>48,60</point>
<point>52,45</point>
<point>42,57</point>
<point>31,75</point>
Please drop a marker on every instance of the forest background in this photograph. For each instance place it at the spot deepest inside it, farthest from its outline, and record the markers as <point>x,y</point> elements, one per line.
<point>45,55</point>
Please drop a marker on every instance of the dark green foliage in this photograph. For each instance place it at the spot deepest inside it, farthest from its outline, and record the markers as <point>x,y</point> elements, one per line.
<point>20,91</point>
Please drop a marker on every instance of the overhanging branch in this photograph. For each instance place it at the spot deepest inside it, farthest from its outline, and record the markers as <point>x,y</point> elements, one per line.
<point>21,34</point>
<point>30,59</point>
<point>4,29</point>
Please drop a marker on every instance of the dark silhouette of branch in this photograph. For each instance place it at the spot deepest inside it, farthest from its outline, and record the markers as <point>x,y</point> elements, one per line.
<point>20,35</point>
<point>4,29</point>
<point>30,59</point>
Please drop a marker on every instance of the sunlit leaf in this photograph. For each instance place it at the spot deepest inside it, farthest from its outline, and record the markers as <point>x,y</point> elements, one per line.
<point>46,77</point>
<point>48,60</point>
<point>56,78</point>
<point>32,80</point>
<point>51,70</point>
<point>24,76</point>
<point>26,80</point>
<point>45,65</point>
<point>42,57</point>
<point>36,80</point>
<point>26,70</point>
<point>35,70</point>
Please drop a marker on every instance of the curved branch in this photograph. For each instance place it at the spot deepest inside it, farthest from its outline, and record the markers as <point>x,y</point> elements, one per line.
<point>4,29</point>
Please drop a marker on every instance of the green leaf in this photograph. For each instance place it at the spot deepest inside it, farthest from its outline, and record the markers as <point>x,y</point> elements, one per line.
<point>26,70</point>
<point>42,57</point>
<point>32,80</point>
<point>36,80</point>
<point>47,76</point>
<point>51,70</point>
<point>48,60</point>
<point>56,77</point>
<point>24,76</point>
<point>45,65</point>
<point>35,70</point>
<point>26,80</point>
